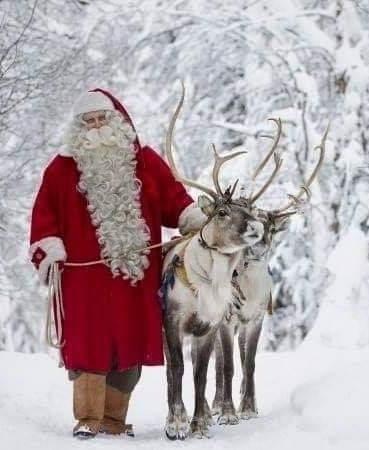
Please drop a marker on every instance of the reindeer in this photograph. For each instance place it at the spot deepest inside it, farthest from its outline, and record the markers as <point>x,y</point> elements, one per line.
<point>197,276</point>
<point>252,293</point>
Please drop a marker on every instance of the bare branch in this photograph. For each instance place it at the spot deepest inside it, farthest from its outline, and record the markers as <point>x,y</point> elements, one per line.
<point>21,34</point>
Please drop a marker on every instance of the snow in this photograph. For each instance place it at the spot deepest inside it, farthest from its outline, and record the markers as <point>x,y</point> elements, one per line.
<point>311,397</point>
<point>343,320</point>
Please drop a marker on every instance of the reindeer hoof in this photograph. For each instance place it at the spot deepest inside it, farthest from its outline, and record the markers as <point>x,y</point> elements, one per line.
<point>177,430</point>
<point>215,410</point>
<point>209,421</point>
<point>182,435</point>
<point>199,429</point>
<point>228,419</point>
<point>248,414</point>
<point>201,434</point>
<point>172,437</point>
<point>176,435</point>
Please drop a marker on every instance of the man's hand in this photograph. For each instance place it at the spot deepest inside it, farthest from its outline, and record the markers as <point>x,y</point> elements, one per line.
<point>191,219</point>
<point>46,252</point>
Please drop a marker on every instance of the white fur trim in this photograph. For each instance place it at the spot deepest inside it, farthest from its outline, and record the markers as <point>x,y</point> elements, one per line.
<point>92,101</point>
<point>64,151</point>
<point>54,248</point>
<point>191,219</point>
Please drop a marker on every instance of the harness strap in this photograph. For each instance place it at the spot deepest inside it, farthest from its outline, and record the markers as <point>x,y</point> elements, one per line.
<point>180,268</point>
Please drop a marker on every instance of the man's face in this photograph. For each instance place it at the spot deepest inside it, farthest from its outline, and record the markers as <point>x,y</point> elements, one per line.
<point>94,119</point>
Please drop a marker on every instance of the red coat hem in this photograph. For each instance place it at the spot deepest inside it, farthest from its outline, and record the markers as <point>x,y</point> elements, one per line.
<point>118,369</point>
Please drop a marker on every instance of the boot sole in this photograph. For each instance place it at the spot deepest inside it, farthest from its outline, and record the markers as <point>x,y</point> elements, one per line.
<point>83,435</point>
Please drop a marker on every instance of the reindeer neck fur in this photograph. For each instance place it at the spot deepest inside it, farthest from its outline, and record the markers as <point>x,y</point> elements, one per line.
<point>210,274</point>
<point>256,284</point>
<point>255,256</point>
<point>256,266</point>
<point>252,267</point>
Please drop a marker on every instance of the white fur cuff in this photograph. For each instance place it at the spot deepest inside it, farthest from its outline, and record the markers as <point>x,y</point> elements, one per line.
<point>54,248</point>
<point>64,150</point>
<point>191,219</point>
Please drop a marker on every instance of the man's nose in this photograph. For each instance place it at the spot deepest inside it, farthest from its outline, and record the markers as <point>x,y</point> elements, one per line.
<point>97,123</point>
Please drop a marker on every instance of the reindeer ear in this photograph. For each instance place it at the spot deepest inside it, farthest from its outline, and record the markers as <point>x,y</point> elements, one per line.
<point>205,204</point>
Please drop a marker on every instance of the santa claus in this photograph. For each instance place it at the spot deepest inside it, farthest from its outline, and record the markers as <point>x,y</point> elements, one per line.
<point>102,202</point>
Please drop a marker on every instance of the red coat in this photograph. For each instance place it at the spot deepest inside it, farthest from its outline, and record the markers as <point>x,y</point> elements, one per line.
<point>108,323</point>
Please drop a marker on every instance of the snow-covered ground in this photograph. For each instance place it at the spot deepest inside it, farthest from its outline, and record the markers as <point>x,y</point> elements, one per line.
<point>314,398</point>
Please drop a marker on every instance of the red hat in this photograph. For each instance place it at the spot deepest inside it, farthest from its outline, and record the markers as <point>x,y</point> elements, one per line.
<point>117,105</point>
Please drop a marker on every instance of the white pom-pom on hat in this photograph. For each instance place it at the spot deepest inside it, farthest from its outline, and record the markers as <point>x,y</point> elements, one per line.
<point>92,101</point>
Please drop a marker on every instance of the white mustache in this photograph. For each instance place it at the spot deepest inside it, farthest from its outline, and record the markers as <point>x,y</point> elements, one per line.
<point>100,136</point>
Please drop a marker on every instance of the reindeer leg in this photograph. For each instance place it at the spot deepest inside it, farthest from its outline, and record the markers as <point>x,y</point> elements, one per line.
<point>248,341</point>
<point>177,423</point>
<point>199,423</point>
<point>228,414</point>
<point>219,376</point>
<point>207,409</point>
<point>168,371</point>
<point>208,414</point>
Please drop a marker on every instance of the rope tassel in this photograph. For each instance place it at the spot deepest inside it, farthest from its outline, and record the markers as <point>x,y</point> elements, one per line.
<point>54,293</point>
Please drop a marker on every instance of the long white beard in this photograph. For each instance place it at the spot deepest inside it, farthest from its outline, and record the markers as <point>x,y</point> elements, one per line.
<point>106,158</point>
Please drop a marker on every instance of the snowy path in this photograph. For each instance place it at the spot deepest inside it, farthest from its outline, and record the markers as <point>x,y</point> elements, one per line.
<point>307,399</point>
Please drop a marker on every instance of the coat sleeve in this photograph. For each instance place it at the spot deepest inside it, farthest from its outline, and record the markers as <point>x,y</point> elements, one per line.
<point>174,197</point>
<point>46,244</point>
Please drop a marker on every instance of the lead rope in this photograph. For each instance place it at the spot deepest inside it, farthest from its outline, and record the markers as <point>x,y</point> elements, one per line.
<point>55,294</point>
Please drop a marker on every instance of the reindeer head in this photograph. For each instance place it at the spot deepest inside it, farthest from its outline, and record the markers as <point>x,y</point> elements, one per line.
<point>230,226</point>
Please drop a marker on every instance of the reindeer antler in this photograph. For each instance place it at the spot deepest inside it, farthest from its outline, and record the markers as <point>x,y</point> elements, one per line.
<point>169,153</point>
<point>278,163</point>
<point>261,166</point>
<point>219,160</point>
<point>295,199</point>
<point>277,160</point>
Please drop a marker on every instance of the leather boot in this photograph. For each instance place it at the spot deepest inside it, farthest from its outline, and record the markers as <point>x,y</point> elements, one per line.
<point>88,404</point>
<point>116,407</point>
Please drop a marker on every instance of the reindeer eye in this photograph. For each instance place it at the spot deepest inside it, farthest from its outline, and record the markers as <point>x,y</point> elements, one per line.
<point>222,213</point>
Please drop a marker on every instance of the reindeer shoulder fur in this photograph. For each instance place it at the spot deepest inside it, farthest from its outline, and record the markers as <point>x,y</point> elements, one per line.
<point>209,274</point>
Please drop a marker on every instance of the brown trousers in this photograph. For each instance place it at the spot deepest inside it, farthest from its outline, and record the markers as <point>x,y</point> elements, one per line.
<point>123,381</point>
